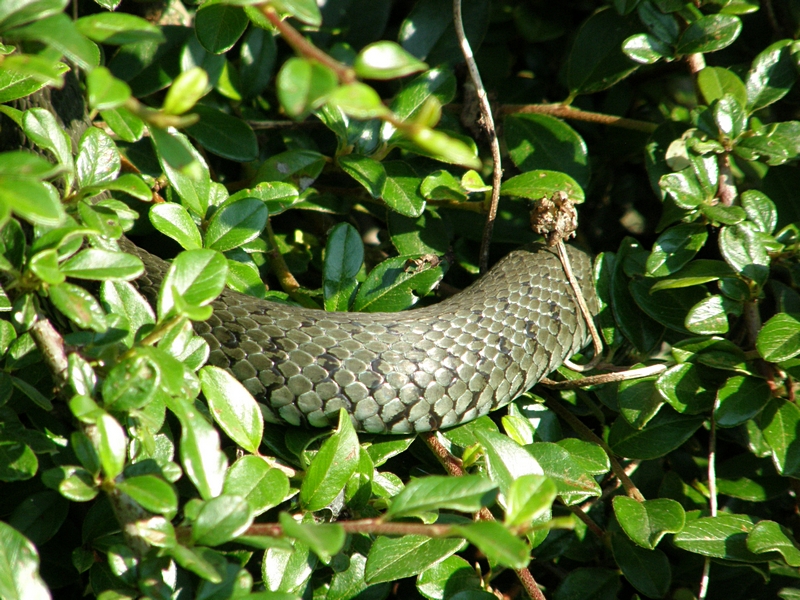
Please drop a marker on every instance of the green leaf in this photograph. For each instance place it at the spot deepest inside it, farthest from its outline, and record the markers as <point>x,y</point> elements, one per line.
<point>74,483</point>
<point>79,306</point>
<point>174,221</point>
<point>697,272</point>
<point>185,91</point>
<point>223,134</point>
<point>780,425</point>
<point>386,60</point>
<point>438,83</point>
<point>469,493</point>
<point>17,13</point>
<point>528,499</point>
<point>332,467</point>
<point>729,116</point>
<point>305,11</point>
<point>401,189</point>
<point>647,570</point>
<point>392,284</point>
<point>131,384</point>
<point>34,201</point>
<point>103,265</point>
<point>779,339</point>
<point>185,169</point>
<point>723,536</point>
<point>151,493</point>
<point>19,564</point>
<point>367,171</point>
<point>106,91</point>
<point>219,26</point>
<point>235,224</point>
<point>497,543</point>
<point>596,61</point>
<point>573,483</point>
<point>709,34</point>
<point>287,569</point>
<point>118,28</point>
<point>760,210</point>
<point>665,432</point>
<point>358,100</point>
<point>344,256</point>
<point>443,147</point>
<point>304,85</point>
<point>45,266</point>
<point>647,522</point>
<point>771,75</point>
<point>194,280</point>
<point>710,315</point>
<point>200,452</point>
<point>589,584</point>
<point>254,480</point>
<point>506,459</point>
<point>740,399</point>
<point>674,248</point>
<point>325,540</point>
<point>232,407</point>
<point>59,32</point>
<point>744,251</point>
<point>540,142</point>
<point>122,298</point>
<point>645,49</point>
<point>221,519</point>
<point>125,124</point>
<point>41,127</point>
<point>536,185</point>
<point>453,573</point>
<point>257,64</point>
<point>19,462</point>
<point>716,82</point>
<point>769,536</point>
<point>683,188</point>
<point>395,558</point>
<point>112,445</point>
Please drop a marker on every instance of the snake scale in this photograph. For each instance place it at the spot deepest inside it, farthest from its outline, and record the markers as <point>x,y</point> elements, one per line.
<point>418,370</point>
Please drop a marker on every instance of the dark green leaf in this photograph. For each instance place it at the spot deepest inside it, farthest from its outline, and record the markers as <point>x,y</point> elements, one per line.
<point>647,522</point>
<point>771,75</point>
<point>740,399</point>
<point>344,256</point>
<point>466,494</point>
<point>497,543</point>
<point>716,82</point>
<point>779,339</point>
<point>79,306</point>
<point>397,283</point>
<point>224,135</point>
<point>769,536</point>
<point>723,536</point>
<point>221,519</point>
<point>780,426</point>
<point>647,570</point>
<point>394,558</point>
<point>194,280</point>
<point>674,248</point>
<point>219,26</point>
<point>665,432</point>
<point>645,49</point>
<point>744,251</point>
<point>709,34</point>
<point>325,540</point>
<point>151,493</point>
<point>572,481</point>
<point>589,584</point>
<point>118,28</point>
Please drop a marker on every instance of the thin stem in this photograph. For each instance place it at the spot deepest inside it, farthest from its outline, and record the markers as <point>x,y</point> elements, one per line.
<point>604,378</point>
<point>587,315</point>
<point>630,488</point>
<point>51,345</point>
<point>305,48</point>
<point>488,123</point>
<point>565,112</point>
<point>726,188</point>
<point>712,493</point>
<point>587,520</point>
<point>704,579</point>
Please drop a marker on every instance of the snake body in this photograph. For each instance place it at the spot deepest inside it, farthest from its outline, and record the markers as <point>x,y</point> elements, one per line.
<point>418,370</point>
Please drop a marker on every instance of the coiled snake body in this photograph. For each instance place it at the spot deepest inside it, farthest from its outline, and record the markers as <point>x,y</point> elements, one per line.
<point>418,370</point>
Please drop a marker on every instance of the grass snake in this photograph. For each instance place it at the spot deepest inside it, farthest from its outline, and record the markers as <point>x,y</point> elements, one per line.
<point>419,370</point>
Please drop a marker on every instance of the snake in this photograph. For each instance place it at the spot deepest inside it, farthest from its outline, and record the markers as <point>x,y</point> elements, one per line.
<point>418,370</point>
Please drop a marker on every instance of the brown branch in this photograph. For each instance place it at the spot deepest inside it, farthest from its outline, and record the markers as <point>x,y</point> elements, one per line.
<point>491,131</point>
<point>305,48</point>
<point>591,380</point>
<point>587,520</point>
<point>726,187</point>
<point>566,112</point>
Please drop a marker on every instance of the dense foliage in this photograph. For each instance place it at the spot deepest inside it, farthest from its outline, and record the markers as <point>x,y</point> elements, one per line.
<point>331,152</point>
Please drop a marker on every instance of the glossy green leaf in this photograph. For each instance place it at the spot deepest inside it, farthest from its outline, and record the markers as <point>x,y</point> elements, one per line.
<point>647,522</point>
<point>674,248</point>
<point>194,280</point>
<point>151,493</point>
<point>325,540</point>
<point>117,28</point>
<point>386,60</point>
<point>466,494</point>
<point>304,85</point>
<point>394,558</point>
<point>779,425</point>
<point>779,339</point>
<point>497,543</point>
<point>451,573</point>
<point>185,91</point>
<point>444,147</point>
<point>174,221</point>
<point>332,467</point>
<point>123,299</point>
<point>106,91</point>
<point>401,189</point>
<point>19,461</point>
<point>358,100</point>
<point>185,169</point>
<point>729,116</point>
<point>254,480</point>
<point>218,26</point>
<point>256,66</point>
<point>536,185</point>
<point>716,82</point>
<point>572,481</point>
<point>723,536</point>
<point>740,399</point>
<point>232,407</point>
<point>235,224</point>
<point>101,265</point>
<point>112,445</point>
<point>221,519</point>
<point>19,566</point>
<point>131,384</point>
<point>506,459</point>
<point>202,459</point>
<point>709,34</point>
<point>344,256</point>
<point>79,306</point>
<point>397,283</point>
<point>224,135</point>
<point>645,49</point>
<point>744,251</point>
<point>540,142</point>
<point>771,75</point>
<point>769,536</point>
<point>60,33</point>
<point>665,432</point>
<point>683,188</point>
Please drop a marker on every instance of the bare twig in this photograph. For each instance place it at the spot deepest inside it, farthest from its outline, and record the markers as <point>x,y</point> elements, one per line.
<point>726,188</point>
<point>488,123</point>
<point>712,495</point>
<point>587,520</point>
<point>590,436</point>
<point>566,112</point>
<point>696,62</point>
<point>603,378</point>
<point>51,345</point>
<point>305,48</point>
